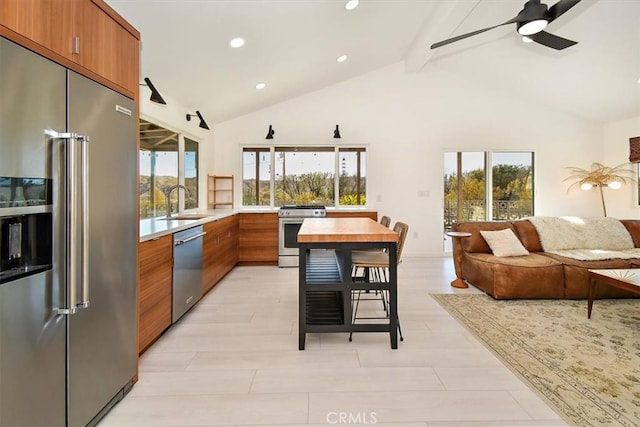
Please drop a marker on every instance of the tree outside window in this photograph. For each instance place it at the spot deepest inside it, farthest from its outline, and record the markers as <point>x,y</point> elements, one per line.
<point>158,163</point>
<point>352,179</point>
<point>465,186</point>
<point>256,177</point>
<point>304,175</point>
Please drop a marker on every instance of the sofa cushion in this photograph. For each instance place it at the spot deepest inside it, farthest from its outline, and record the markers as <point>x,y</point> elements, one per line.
<point>576,273</point>
<point>529,276</point>
<point>475,243</point>
<point>528,235</point>
<point>504,243</point>
<point>633,227</point>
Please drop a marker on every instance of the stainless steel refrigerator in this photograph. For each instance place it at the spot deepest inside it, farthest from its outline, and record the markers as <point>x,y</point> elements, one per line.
<point>68,243</point>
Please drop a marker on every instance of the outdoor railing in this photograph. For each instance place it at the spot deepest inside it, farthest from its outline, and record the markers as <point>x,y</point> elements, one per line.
<point>474,210</point>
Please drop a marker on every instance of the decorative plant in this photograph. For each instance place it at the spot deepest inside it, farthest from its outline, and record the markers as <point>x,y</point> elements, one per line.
<point>601,176</point>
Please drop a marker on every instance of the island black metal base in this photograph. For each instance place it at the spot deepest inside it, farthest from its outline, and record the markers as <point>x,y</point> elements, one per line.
<point>325,286</point>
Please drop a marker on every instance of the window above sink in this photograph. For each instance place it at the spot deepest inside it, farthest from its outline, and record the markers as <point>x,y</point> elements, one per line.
<point>167,158</point>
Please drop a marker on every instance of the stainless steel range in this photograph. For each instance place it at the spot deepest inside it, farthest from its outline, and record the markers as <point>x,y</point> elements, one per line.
<point>290,219</point>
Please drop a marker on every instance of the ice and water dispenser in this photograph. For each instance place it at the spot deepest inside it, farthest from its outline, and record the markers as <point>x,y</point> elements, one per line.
<point>25,227</point>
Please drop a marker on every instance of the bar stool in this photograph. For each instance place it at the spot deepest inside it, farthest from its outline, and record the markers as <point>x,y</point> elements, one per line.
<point>376,265</point>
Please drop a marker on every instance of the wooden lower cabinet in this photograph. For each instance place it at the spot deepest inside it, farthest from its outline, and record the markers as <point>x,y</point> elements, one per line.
<point>246,238</point>
<point>259,235</point>
<point>220,250</point>
<point>154,289</point>
<point>259,238</point>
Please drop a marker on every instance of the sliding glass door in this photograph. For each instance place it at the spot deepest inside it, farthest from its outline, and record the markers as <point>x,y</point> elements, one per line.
<point>481,185</point>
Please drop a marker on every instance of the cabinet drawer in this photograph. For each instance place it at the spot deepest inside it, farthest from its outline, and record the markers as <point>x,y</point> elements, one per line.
<point>154,287</point>
<point>154,253</point>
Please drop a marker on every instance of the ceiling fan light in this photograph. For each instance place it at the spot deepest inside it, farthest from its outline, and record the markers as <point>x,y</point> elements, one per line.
<point>586,186</point>
<point>532,27</point>
<point>527,39</point>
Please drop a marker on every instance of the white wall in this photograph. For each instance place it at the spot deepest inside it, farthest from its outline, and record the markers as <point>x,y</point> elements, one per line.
<point>622,203</point>
<point>408,121</point>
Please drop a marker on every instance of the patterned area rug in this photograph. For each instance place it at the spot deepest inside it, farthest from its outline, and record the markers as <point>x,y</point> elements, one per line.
<point>589,370</point>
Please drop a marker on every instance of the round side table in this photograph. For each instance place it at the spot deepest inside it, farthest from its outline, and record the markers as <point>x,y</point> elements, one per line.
<point>458,282</point>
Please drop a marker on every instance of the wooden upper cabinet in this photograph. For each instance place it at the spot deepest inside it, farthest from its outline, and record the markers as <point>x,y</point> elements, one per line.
<point>46,22</point>
<point>101,44</point>
<point>85,35</point>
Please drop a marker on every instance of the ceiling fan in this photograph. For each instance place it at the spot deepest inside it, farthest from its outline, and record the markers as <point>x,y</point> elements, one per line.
<point>531,21</point>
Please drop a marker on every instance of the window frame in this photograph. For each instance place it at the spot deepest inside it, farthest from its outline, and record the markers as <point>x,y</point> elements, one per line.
<point>273,149</point>
<point>488,166</point>
<point>181,134</point>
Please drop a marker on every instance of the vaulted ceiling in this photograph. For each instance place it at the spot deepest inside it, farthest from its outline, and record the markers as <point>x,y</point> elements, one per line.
<point>292,46</point>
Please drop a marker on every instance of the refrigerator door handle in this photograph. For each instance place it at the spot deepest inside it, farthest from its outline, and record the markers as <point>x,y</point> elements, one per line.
<point>77,236</point>
<point>84,230</point>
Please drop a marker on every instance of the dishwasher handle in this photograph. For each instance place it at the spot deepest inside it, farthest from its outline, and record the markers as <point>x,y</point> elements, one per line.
<point>188,239</point>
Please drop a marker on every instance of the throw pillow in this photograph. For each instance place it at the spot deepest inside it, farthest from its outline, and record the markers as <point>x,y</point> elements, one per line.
<point>504,243</point>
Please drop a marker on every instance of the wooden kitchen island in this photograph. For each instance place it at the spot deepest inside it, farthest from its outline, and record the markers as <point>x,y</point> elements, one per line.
<point>325,282</point>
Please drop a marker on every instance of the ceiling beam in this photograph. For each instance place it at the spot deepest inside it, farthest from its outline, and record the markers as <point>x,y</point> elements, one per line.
<point>442,24</point>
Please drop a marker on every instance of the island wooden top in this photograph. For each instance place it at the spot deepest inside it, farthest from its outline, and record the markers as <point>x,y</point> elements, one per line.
<point>354,230</point>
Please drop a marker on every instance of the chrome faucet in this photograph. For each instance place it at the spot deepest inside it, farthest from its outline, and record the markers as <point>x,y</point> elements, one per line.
<point>167,194</point>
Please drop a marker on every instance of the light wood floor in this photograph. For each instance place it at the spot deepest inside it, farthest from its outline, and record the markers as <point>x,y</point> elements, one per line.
<point>234,361</point>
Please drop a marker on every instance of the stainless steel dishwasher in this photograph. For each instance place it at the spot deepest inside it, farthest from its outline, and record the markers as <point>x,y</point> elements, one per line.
<point>187,270</point>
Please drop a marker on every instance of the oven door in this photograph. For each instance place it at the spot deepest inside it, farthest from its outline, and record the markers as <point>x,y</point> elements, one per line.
<point>288,241</point>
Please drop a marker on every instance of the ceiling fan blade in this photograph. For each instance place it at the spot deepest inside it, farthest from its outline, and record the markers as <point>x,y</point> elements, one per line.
<point>551,40</point>
<point>561,7</point>
<point>473,33</point>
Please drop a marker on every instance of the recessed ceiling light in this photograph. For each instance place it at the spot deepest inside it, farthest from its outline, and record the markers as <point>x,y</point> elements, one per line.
<point>351,4</point>
<point>261,86</point>
<point>236,42</point>
<point>342,58</point>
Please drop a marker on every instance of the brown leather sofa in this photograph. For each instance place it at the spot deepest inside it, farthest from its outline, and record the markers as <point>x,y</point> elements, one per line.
<point>537,275</point>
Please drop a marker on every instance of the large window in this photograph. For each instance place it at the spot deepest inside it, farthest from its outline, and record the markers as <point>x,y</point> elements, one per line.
<point>487,185</point>
<point>161,169</point>
<point>304,175</point>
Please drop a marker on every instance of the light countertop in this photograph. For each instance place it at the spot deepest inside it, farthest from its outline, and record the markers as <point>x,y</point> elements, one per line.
<point>153,228</point>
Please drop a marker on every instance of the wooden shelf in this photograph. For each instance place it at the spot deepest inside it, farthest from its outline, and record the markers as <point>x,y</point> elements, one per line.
<point>220,191</point>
